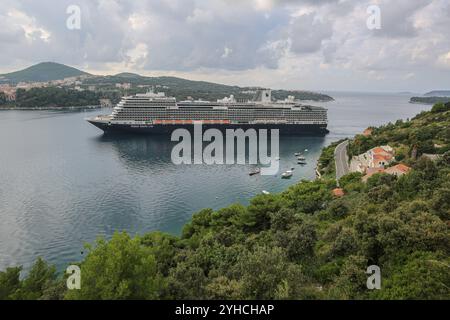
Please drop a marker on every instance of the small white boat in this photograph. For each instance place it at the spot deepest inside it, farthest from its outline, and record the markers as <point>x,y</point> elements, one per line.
<point>302,162</point>
<point>265,192</point>
<point>286,175</point>
<point>301,158</point>
<point>306,150</point>
<point>254,172</point>
<point>298,154</point>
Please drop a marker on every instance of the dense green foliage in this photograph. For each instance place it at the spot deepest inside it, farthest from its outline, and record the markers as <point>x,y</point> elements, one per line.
<point>3,99</point>
<point>53,97</point>
<point>326,164</point>
<point>428,132</point>
<point>300,244</point>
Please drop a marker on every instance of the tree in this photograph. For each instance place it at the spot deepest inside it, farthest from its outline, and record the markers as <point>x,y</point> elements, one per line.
<point>258,214</point>
<point>119,269</point>
<point>262,272</point>
<point>222,288</point>
<point>282,219</point>
<point>441,203</point>
<point>9,282</point>
<point>338,208</point>
<point>421,275</point>
<point>41,278</point>
<point>3,99</point>
<point>351,282</point>
<point>301,241</point>
<point>308,197</point>
<point>351,182</point>
<point>440,107</point>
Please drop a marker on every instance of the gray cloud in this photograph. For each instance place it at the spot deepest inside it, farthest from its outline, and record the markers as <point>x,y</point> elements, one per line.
<point>397,20</point>
<point>271,40</point>
<point>307,34</point>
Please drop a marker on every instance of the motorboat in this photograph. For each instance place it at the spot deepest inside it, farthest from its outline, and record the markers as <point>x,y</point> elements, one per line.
<point>287,175</point>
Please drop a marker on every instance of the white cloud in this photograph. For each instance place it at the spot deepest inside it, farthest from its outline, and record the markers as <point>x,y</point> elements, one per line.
<point>137,55</point>
<point>31,29</point>
<point>200,16</point>
<point>138,21</point>
<point>444,60</point>
<point>226,52</point>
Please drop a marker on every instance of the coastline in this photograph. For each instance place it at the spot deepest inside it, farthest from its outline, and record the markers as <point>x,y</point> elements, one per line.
<point>51,108</point>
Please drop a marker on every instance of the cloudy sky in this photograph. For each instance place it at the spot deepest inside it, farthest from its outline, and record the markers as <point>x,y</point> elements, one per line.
<point>295,44</point>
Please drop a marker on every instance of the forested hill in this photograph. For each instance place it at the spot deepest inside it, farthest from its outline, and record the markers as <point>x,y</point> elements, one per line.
<point>300,244</point>
<point>53,97</point>
<point>176,87</point>
<point>182,88</point>
<point>41,72</point>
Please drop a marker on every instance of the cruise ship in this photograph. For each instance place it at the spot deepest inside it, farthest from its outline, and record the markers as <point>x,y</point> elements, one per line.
<point>158,114</point>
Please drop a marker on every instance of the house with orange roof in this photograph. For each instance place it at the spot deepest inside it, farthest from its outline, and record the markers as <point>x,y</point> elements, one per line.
<point>338,192</point>
<point>398,170</point>
<point>370,172</point>
<point>367,132</point>
<point>380,156</point>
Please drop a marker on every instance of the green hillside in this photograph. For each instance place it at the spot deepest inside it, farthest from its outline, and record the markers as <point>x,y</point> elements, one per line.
<point>42,72</point>
<point>428,132</point>
<point>53,97</point>
<point>300,244</point>
<point>173,86</point>
<point>183,88</point>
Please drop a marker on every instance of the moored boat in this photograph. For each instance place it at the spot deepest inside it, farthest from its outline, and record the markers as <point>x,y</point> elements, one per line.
<point>287,175</point>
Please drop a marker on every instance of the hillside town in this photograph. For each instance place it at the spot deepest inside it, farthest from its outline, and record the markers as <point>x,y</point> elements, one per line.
<point>74,83</point>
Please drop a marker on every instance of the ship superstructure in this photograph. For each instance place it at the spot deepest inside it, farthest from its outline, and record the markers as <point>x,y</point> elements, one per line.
<point>157,113</point>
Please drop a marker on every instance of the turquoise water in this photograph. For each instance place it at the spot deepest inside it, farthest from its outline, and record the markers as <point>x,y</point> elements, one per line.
<point>63,183</point>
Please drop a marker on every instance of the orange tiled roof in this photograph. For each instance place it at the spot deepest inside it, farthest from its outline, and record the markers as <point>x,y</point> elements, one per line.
<point>338,192</point>
<point>380,157</point>
<point>400,167</point>
<point>378,150</point>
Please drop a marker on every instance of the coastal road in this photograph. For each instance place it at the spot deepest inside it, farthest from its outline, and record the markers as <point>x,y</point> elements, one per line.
<point>341,160</point>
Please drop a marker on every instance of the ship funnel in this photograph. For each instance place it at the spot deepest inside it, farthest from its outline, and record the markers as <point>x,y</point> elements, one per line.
<point>266,96</point>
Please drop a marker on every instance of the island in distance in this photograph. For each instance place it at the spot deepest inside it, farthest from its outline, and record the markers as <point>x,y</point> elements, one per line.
<point>432,97</point>
<point>50,85</point>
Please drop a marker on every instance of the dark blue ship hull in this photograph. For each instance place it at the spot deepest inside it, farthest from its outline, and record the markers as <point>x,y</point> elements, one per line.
<point>285,129</point>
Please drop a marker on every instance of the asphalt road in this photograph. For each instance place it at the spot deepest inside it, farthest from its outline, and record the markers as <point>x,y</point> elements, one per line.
<point>341,159</point>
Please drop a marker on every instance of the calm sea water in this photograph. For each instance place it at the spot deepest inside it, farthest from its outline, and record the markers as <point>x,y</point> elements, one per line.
<point>63,183</point>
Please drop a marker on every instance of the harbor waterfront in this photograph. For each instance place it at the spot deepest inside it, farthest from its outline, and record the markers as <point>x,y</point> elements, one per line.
<point>63,182</point>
